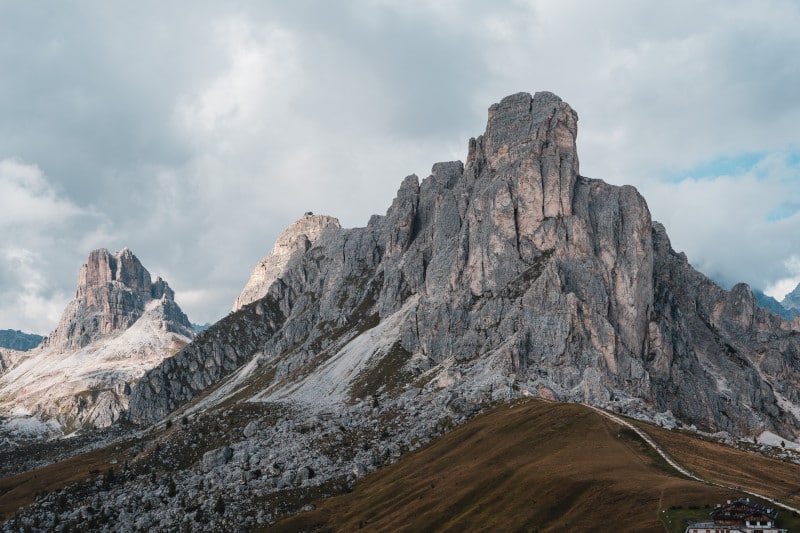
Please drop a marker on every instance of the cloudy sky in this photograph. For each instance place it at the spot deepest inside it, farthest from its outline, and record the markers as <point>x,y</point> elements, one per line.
<point>194,132</point>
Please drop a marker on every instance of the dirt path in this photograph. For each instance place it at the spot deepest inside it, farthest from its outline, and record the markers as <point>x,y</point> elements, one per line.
<point>674,464</point>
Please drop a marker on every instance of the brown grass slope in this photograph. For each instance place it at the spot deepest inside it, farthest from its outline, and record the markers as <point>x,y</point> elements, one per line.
<point>530,466</point>
<point>723,464</point>
<point>20,490</point>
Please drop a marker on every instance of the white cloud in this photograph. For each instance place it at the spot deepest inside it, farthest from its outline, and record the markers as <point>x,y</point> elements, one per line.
<point>194,137</point>
<point>726,224</point>
<point>260,62</point>
<point>780,288</point>
<point>28,300</point>
<point>41,230</point>
<point>26,197</point>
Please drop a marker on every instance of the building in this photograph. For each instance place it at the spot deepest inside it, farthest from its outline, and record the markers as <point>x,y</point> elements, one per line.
<point>740,516</point>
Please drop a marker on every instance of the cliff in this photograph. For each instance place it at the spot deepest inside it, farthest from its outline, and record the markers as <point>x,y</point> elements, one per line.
<point>119,324</point>
<point>508,275</point>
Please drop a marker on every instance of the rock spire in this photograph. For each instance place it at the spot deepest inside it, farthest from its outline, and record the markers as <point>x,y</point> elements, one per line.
<point>292,242</point>
<point>113,291</point>
<point>510,274</point>
<point>119,324</point>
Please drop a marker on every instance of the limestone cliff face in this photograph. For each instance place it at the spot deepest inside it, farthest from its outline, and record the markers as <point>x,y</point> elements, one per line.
<point>9,358</point>
<point>510,274</point>
<point>113,291</point>
<point>293,242</point>
<point>120,324</point>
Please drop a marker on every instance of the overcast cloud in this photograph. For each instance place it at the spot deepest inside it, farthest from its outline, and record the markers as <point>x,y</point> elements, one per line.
<point>194,132</point>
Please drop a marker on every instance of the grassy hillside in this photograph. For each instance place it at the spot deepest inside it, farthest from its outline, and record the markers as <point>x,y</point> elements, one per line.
<point>723,464</point>
<point>531,466</point>
<point>528,466</point>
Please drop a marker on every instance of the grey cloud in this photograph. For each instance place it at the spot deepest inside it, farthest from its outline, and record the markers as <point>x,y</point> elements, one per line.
<point>195,132</point>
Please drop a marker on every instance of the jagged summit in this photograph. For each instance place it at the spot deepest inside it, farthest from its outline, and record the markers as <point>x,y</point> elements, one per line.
<point>506,276</point>
<point>293,241</point>
<point>119,324</point>
<point>112,294</point>
<point>510,274</point>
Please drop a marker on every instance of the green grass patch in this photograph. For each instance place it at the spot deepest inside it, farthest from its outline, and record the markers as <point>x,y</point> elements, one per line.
<point>675,519</point>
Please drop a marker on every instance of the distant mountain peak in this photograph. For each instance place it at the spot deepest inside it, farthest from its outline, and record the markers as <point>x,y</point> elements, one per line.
<point>293,241</point>
<point>792,300</point>
<point>119,324</point>
<point>17,340</point>
<point>113,292</point>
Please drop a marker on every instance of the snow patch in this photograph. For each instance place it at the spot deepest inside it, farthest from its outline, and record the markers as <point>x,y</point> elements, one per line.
<point>771,439</point>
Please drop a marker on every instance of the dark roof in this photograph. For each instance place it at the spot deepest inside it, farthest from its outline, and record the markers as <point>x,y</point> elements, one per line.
<point>742,509</point>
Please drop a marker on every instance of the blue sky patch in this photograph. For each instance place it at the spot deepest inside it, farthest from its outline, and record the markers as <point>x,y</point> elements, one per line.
<point>782,212</point>
<point>723,166</point>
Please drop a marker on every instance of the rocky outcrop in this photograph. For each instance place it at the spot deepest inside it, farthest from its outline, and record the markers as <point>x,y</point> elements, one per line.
<point>113,291</point>
<point>9,358</point>
<point>120,324</point>
<point>216,352</point>
<point>293,242</point>
<point>510,274</point>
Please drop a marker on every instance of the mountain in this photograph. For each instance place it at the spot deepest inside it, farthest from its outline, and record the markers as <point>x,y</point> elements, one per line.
<point>119,324</point>
<point>774,306</point>
<point>509,275</point>
<point>17,340</point>
<point>792,300</point>
<point>297,238</point>
<point>9,358</point>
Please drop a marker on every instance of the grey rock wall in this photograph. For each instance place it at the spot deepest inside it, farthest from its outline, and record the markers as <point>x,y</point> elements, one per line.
<point>563,282</point>
<point>113,290</point>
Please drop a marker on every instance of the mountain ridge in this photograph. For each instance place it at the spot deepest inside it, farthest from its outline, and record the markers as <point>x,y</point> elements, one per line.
<point>17,340</point>
<point>508,276</point>
<point>792,300</point>
<point>119,324</point>
<point>554,284</point>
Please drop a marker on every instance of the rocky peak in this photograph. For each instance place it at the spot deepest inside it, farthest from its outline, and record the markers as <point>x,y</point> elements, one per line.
<point>103,267</point>
<point>792,300</point>
<point>510,274</point>
<point>293,241</point>
<point>113,292</point>
<point>524,132</point>
<point>160,290</point>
